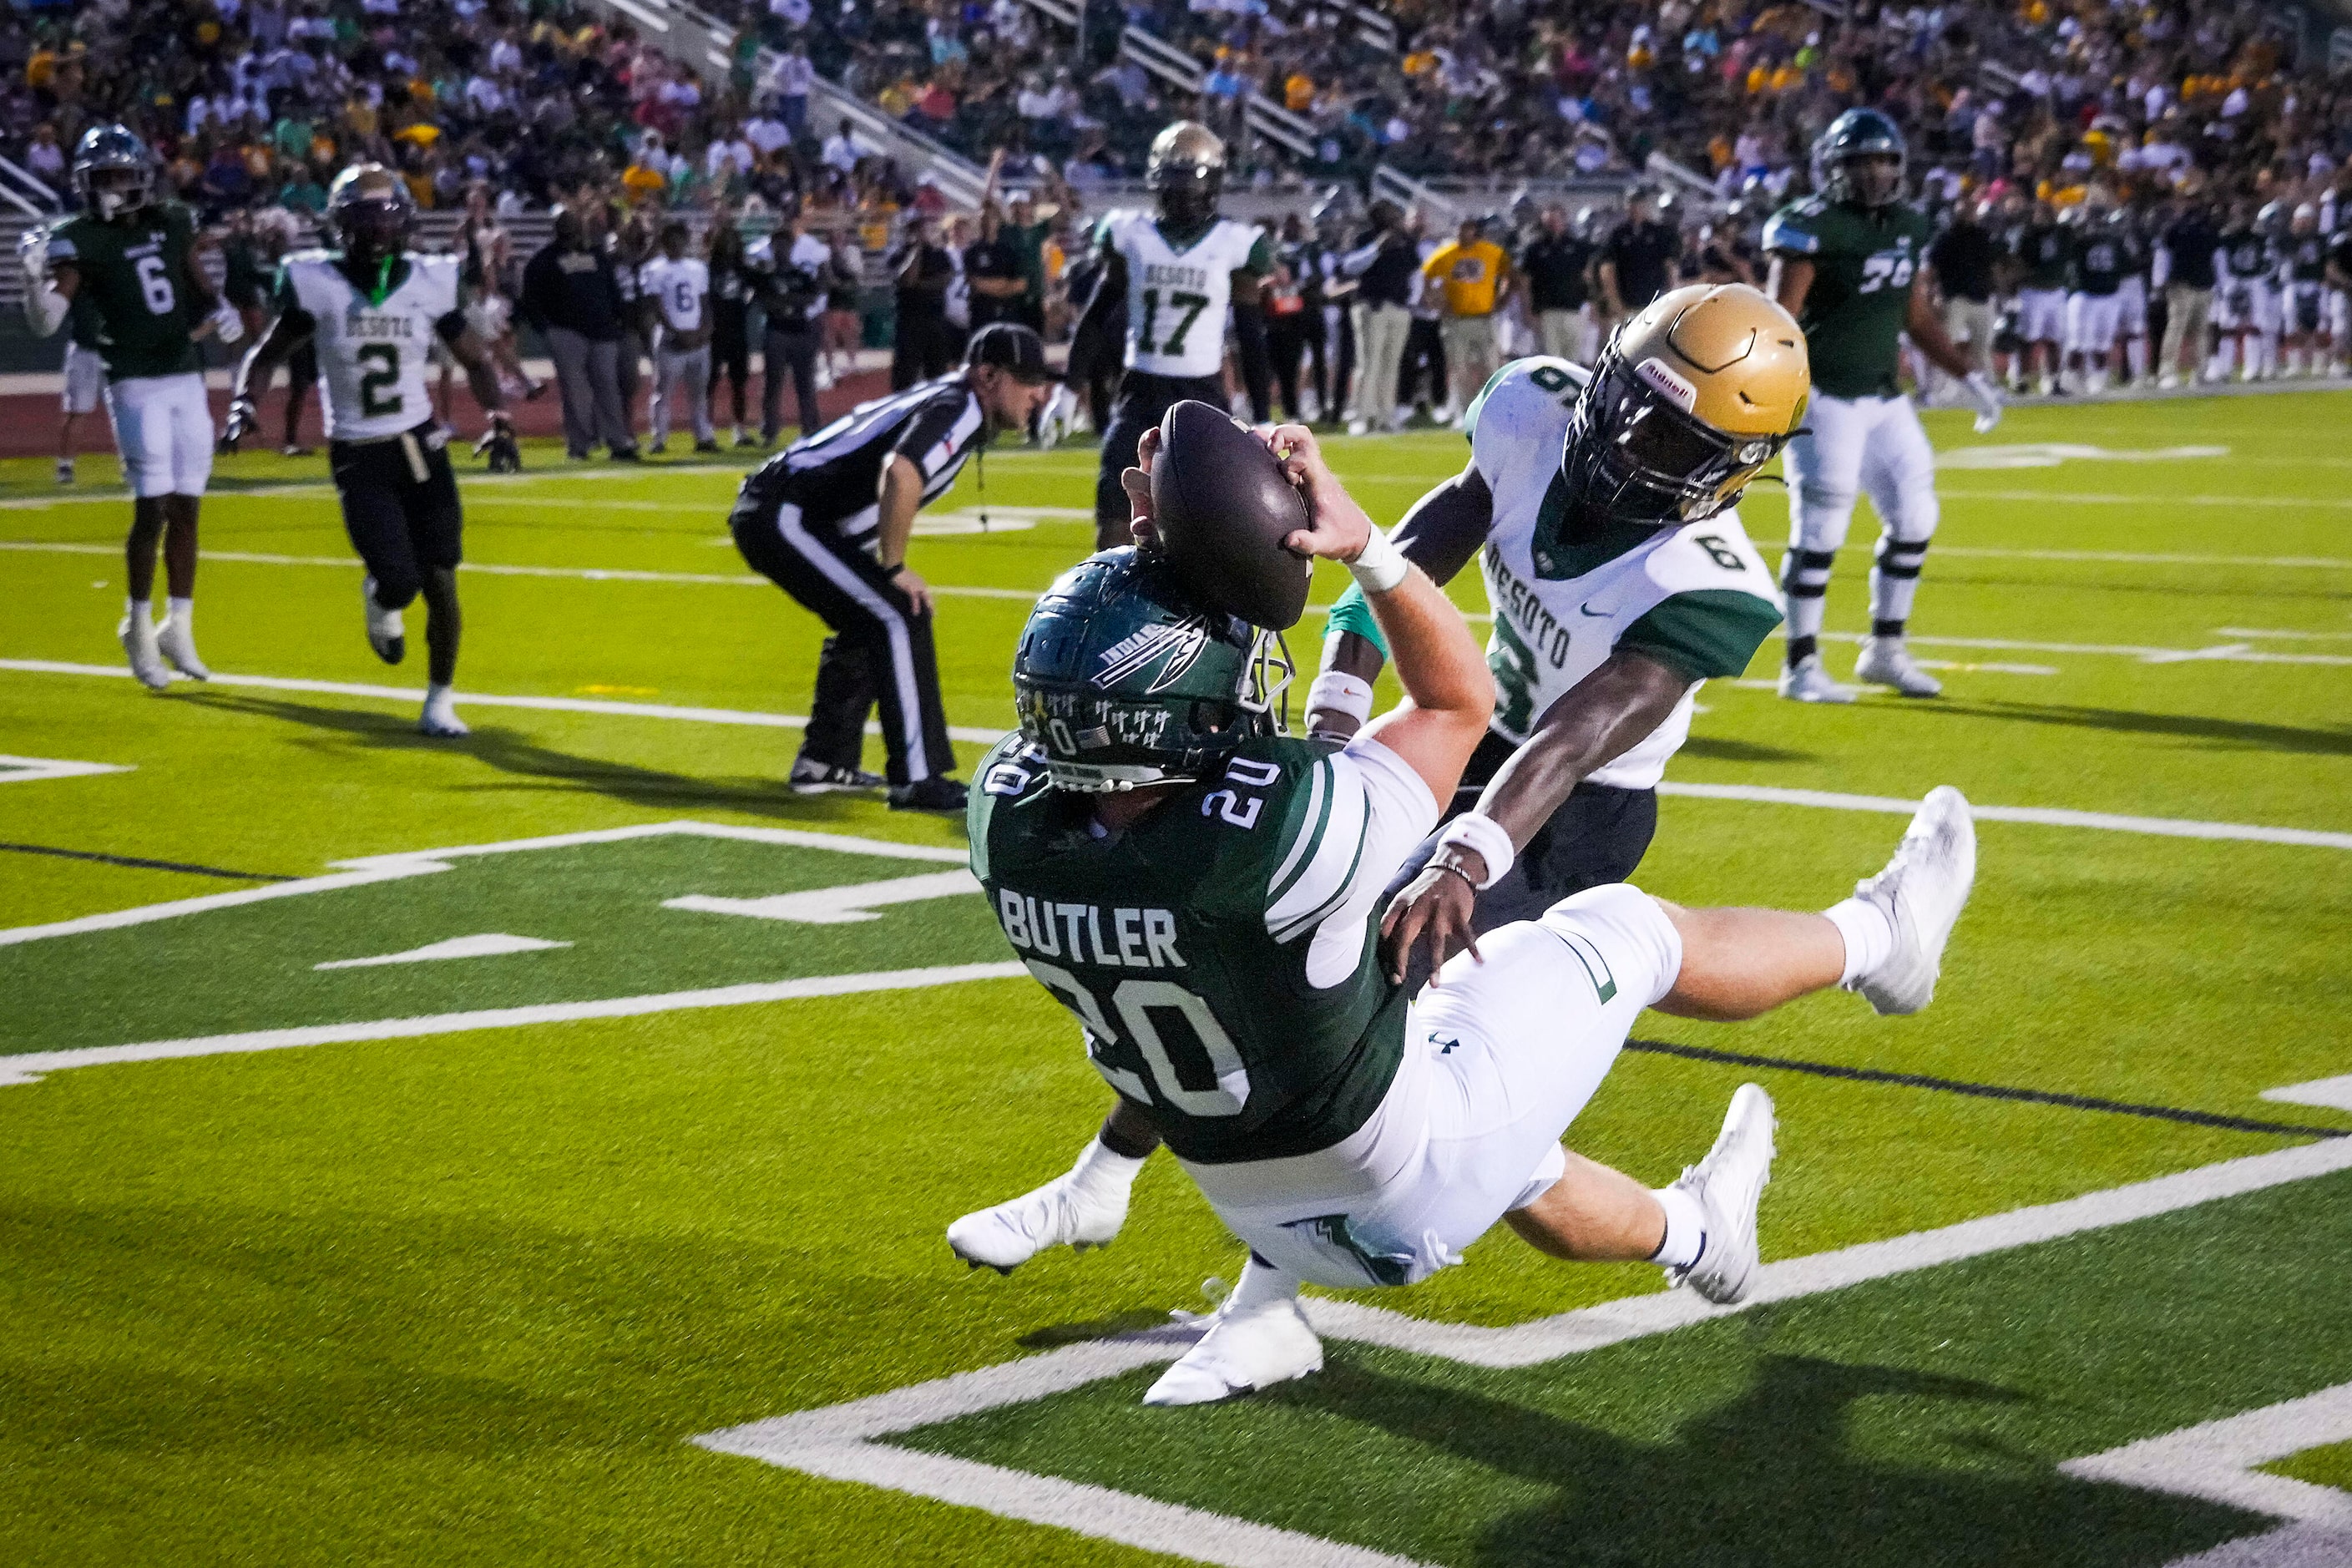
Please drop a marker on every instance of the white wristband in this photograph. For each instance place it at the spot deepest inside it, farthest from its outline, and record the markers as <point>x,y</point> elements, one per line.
<point>1488,838</point>
<point>1380,566</point>
<point>1341,693</point>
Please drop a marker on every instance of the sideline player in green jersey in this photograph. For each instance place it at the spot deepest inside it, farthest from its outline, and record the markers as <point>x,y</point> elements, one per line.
<point>1850,264</point>
<point>1201,890</point>
<point>124,270</point>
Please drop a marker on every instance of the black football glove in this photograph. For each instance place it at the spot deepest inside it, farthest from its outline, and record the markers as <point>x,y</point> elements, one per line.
<point>497,445</point>
<point>244,418</point>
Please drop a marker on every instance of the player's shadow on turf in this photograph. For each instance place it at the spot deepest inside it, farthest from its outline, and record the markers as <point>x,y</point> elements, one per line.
<point>1770,1480</point>
<point>1724,749</point>
<point>545,768</point>
<point>2225,733</point>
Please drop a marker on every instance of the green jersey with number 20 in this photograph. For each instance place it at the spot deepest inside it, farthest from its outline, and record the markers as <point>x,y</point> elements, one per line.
<point>133,302</point>
<point>373,345</point>
<point>1219,952</point>
<point>1864,262</point>
<point>1567,595</point>
<point>1177,296</point>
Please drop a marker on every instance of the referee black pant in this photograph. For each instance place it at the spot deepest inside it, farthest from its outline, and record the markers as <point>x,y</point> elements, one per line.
<point>881,647</point>
<point>1143,402</point>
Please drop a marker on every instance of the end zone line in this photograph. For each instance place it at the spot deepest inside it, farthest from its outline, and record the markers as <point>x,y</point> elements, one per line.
<point>842,1441</point>
<point>1830,800</point>
<point>28,1069</point>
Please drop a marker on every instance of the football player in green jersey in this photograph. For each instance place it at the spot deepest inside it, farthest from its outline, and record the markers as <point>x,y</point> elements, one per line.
<point>124,270</point>
<point>1850,264</point>
<point>1200,891</point>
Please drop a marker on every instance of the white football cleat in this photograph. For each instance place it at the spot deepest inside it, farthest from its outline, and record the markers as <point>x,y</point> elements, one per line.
<point>138,637</point>
<point>440,719</point>
<point>1062,1213</point>
<point>385,634</point>
<point>176,641</point>
<point>1923,890</point>
<point>64,470</point>
<point>1807,681</point>
<point>1885,661</point>
<point>1728,1184</point>
<point>1242,1351</point>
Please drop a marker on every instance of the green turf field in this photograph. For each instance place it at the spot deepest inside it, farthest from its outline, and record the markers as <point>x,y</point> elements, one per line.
<point>452,1262</point>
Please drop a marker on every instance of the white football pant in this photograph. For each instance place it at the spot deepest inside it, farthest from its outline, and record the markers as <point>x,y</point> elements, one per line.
<point>163,429</point>
<point>1853,444</point>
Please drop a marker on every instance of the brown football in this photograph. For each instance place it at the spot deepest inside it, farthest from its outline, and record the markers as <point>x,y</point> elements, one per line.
<point>1222,508</point>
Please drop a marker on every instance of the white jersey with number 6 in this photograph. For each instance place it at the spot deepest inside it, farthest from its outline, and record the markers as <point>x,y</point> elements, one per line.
<point>678,289</point>
<point>1177,300</point>
<point>372,353</point>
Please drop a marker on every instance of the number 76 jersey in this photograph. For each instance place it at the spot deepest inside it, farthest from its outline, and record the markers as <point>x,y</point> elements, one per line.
<point>1177,297</point>
<point>374,346</point>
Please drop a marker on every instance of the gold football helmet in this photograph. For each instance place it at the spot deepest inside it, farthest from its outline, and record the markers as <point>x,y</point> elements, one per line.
<point>1693,397</point>
<point>1186,172</point>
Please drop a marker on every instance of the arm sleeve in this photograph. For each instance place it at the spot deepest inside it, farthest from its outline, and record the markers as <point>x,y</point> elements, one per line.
<point>1365,812</point>
<point>1700,635</point>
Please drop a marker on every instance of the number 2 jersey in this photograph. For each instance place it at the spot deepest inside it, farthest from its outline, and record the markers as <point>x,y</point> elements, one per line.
<point>132,304</point>
<point>374,344</point>
<point>1863,261</point>
<point>1219,953</point>
<point>1177,296</point>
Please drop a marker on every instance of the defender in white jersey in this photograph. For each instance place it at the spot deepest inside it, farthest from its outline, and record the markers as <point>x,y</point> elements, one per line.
<point>373,310</point>
<point>1165,286</point>
<point>1600,507</point>
<point>674,293</point>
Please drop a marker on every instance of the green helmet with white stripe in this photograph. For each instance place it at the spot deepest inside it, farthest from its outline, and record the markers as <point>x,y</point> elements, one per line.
<point>1123,681</point>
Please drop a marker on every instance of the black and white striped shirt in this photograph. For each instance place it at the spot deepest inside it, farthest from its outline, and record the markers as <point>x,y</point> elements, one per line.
<point>834,476</point>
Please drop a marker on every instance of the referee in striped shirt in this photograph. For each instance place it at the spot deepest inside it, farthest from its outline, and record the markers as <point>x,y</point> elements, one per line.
<point>827,521</point>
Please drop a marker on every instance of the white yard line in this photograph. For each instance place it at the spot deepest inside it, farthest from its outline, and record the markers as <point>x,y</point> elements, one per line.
<point>1827,800</point>
<point>2215,1461</point>
<point>2162,498</point>
<point>2334,1093</point>
<point>28,1069</point>
<point>25,770</point>
<point>406,863</point>
<point>841,1441</point>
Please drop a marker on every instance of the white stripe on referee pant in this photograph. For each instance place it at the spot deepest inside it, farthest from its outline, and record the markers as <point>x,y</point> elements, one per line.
<point>902,651</point>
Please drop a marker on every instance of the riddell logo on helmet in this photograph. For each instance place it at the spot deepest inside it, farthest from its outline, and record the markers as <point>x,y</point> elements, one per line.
<point>1673,387</point>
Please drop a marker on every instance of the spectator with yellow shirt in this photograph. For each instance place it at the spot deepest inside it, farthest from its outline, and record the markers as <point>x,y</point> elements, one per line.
<point>1473,276</point>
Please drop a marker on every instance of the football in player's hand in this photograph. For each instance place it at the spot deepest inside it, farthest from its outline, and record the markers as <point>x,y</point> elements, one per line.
<point>1222,508</point>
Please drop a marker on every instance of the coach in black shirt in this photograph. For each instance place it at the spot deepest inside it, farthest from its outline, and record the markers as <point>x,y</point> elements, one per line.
<point>573,296</point>
<point>1964,257</point>
<point>996,272</point>
<point>924,345</point>
<point>828,520</point>
<point>1639,260</point>
<point>2184,270</point>
<point>1558,266</point>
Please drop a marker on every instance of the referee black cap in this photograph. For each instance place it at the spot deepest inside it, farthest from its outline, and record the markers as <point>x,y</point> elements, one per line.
<point>1010,346</point>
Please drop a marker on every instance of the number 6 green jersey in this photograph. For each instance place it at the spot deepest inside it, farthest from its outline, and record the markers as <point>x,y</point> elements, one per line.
<point>1219,953</point>
<point>135,302</point>
<point>374,344</point>
<point>1864,262</point>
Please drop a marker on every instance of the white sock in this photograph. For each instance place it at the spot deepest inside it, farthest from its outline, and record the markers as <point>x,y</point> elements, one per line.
<point>1262,1285</point>
<point>437,694</point>
<point>141,611</point>
<point>1102,1169</point>
<point>1869,936</point>
<point>1686,1229</point>
<point>183,611</point>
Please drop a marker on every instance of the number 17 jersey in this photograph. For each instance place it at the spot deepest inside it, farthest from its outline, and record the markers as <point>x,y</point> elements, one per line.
<point>373,345</point>
<point>1177,296</point>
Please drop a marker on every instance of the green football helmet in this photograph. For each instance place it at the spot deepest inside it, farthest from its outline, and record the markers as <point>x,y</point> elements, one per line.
<point>1123,681</point>
<point>113,171</point>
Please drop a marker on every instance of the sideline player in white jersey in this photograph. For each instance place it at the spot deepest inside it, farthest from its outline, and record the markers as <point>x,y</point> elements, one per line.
<point>1167,283</point>
<point>674,290</point>
<point>85,386</point>
<point>373,310</point>
<point>1350,1136</point>
<point>1598,506</point>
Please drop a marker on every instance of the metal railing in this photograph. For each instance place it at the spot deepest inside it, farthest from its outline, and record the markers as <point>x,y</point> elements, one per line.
<point>27,192</point>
